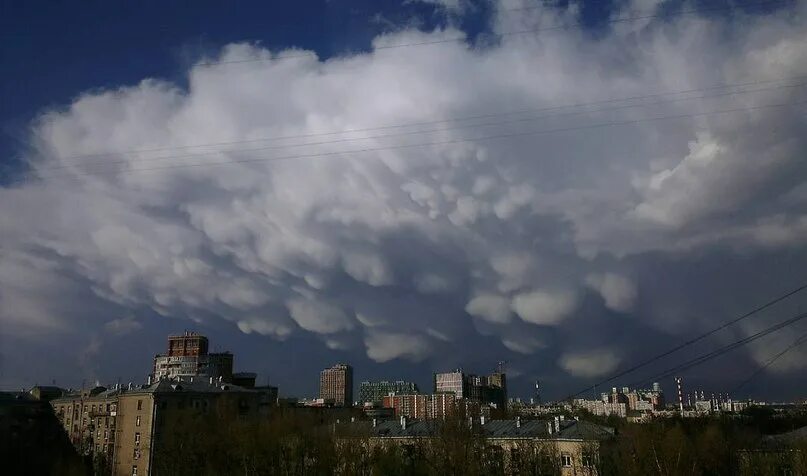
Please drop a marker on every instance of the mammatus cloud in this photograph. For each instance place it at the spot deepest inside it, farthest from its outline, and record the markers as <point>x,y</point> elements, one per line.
<point>408,239</point>
<point>545,308</point>
<point>490,307</point>
<point>618,292</point>
<point>590,363</point>
<point>385,346</point>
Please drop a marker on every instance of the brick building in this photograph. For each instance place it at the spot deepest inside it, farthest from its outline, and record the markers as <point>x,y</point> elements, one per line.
<point>188,356</point>
<point>336,385</point>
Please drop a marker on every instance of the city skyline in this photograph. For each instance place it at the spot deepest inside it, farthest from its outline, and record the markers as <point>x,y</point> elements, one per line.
<point>408,187</point>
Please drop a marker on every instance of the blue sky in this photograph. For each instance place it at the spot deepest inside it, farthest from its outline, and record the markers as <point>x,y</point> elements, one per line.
<point>569,255</point>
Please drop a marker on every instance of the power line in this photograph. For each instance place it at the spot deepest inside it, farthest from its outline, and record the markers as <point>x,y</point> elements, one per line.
<point>426,144</point>
<point>574,25</point>
<point>723,350</point>
<point>689,342</point>
<point>442,121</point>
<point>420,131</point>
<point>799,341</point>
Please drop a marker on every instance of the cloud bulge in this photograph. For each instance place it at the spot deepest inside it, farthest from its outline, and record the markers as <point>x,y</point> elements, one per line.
<point>493,227</point>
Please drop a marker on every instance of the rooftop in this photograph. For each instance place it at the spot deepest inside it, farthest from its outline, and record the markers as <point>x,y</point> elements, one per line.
<point>569,429</point>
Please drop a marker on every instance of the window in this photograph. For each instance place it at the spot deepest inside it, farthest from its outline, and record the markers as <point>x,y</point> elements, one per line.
<point>139,405</point>
<point>93,408</point>
<point>589,459</point>
<point>136,454</point>
<point>566,460</point>
<point>137,438</point>
<point>106,422</point>
<point>106,435</point>
<point>137,420</point>
<point>97,448</point>
<point>134,470</point>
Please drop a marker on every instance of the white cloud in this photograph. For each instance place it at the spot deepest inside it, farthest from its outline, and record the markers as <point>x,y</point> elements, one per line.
<point>490,307</point>
<point>120,327</point>
<point>318,317</point>
<point>591,363</point>
<point>523,344</point>
<point>618,292</point>
<point>384,346</point>
<point>547,308</point>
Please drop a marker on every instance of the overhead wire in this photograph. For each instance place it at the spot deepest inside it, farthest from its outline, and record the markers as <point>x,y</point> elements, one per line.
<point>722,350</point>
<point>689,342</point>
<point>796,343</point>
<point>442,121</point>
<point>415,132</point>
<point>423,144</point>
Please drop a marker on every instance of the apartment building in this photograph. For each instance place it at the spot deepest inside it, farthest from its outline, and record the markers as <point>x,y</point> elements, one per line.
<point>336,385</point>
<point>143,415</point>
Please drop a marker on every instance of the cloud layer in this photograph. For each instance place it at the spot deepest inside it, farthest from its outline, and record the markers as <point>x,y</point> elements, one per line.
<point>403,242</point>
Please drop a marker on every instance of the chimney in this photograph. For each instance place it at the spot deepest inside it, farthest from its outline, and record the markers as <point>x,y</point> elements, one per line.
<point>557,424</point>
<point>149,381</point>
<point>518,422</point>
<point>549,427</point>
<point>130,385</point>
<point>403,422</point>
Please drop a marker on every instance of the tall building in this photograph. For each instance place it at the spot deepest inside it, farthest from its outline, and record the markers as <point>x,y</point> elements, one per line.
<point>188,356</point>
<point>454,382</point>
<point>489,389</point>
<point>336,384</point>
<point>374,392</point>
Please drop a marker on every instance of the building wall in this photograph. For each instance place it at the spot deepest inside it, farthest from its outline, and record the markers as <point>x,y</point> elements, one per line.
<point>135,421</point>
<point>374,392</point>
<point>581,456</point>
<point>89,421</point>
<point>336,383</point>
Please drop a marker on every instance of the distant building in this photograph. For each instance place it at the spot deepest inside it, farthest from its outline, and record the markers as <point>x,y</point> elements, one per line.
<point>46,393</point>
<point>637,400</point>
<point>188,356</point>
<point>601,408</point>
<point>374,392</point>
<point>488,389</point>
<point>422,407</point>
<point>336,384</point>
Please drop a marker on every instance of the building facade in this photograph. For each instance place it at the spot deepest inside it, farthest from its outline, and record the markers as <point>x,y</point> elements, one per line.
<point>487,389</point>
<point>567,447</point>
<point>422,407</point>
<point>89,419</point>
<point>374,392</point>
<point>336,385</point>
<point>188,356</point>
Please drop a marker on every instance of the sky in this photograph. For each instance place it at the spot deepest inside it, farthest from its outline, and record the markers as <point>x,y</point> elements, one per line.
<point>409,187</point>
